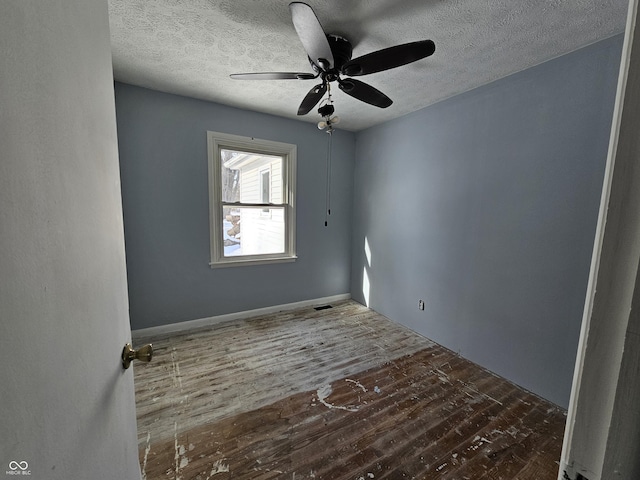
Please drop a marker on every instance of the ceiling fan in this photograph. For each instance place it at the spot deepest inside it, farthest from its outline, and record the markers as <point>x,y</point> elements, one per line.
<point>330,59</point>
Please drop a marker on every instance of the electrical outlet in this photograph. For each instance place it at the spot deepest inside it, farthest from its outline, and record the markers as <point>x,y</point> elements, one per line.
<point>420,304</point>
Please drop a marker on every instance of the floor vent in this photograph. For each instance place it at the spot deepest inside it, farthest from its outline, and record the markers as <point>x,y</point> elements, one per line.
<point>322,307</point>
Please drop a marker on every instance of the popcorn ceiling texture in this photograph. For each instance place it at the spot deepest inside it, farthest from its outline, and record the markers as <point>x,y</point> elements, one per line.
<point>190,47</point>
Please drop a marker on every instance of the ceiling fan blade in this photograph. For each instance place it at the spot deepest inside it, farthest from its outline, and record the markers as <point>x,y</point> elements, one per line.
<point>387,58</point>
<point>312,98</point>
<point>364,92</point>
<point>273,76</point>
<point>311,34</point>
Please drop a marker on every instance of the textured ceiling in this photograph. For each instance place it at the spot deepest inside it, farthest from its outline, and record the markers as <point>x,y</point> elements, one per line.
<point>190,47</point>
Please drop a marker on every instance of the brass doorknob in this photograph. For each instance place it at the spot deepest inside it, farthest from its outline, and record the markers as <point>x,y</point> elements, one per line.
<point>144,354</point>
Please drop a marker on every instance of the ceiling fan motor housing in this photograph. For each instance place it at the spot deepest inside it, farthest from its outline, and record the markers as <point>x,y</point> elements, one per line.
<point>340,48</point>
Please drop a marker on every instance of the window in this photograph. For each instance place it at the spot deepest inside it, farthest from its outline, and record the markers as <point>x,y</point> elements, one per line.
<point>251,196</point>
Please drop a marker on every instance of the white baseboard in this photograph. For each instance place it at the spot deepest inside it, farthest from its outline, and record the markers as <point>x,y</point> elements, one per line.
<point>205,322</point>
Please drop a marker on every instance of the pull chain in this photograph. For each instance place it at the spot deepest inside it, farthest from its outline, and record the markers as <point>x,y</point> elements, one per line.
<point>328,187</point>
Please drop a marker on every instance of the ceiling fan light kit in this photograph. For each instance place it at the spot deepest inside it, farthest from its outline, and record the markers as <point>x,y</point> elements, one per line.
<point>330,59</point>
<point>326,111</point>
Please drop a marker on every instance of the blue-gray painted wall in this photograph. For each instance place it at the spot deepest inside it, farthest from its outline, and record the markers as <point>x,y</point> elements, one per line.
<point>485,206</point>
<point>163,160</point>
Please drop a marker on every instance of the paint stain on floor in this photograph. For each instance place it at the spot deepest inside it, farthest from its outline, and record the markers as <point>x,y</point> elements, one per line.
<point>472,426</point>
<point>337,394</point>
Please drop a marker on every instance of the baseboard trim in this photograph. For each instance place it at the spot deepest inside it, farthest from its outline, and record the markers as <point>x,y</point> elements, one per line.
<point>209,321</point>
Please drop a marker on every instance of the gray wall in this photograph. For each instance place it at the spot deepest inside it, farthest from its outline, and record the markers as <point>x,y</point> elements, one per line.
<point>163,156</point>
<point>485,207</point>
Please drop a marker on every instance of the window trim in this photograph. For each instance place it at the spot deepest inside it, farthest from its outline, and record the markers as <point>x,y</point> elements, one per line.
<point>217,141</point>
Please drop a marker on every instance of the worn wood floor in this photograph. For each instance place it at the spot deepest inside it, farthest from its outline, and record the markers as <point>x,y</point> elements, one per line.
<point>341,393</point>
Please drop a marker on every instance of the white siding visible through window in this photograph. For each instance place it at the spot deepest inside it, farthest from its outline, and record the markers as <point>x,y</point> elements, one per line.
<point>252,191</point>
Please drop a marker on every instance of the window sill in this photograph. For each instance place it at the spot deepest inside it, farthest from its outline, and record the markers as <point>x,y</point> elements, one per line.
<point>253,261</point>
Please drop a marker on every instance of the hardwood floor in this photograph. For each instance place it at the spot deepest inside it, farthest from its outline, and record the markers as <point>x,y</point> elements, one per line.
<point>341,393</point>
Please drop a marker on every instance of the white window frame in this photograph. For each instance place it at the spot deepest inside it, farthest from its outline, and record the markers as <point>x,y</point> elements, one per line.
<point>217,141</point>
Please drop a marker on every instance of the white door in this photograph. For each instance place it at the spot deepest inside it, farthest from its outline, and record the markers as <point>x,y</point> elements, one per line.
<point>602,436</point>
<point>67,407</point>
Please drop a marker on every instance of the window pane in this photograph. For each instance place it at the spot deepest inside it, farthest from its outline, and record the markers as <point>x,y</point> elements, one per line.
<point>243,177</point>
<point>253,231</point>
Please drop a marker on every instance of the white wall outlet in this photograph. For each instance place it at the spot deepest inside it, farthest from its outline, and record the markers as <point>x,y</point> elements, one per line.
<point>420,304</point>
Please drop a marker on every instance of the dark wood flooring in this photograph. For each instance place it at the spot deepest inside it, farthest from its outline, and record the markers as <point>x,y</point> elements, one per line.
<point>342,393</point>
